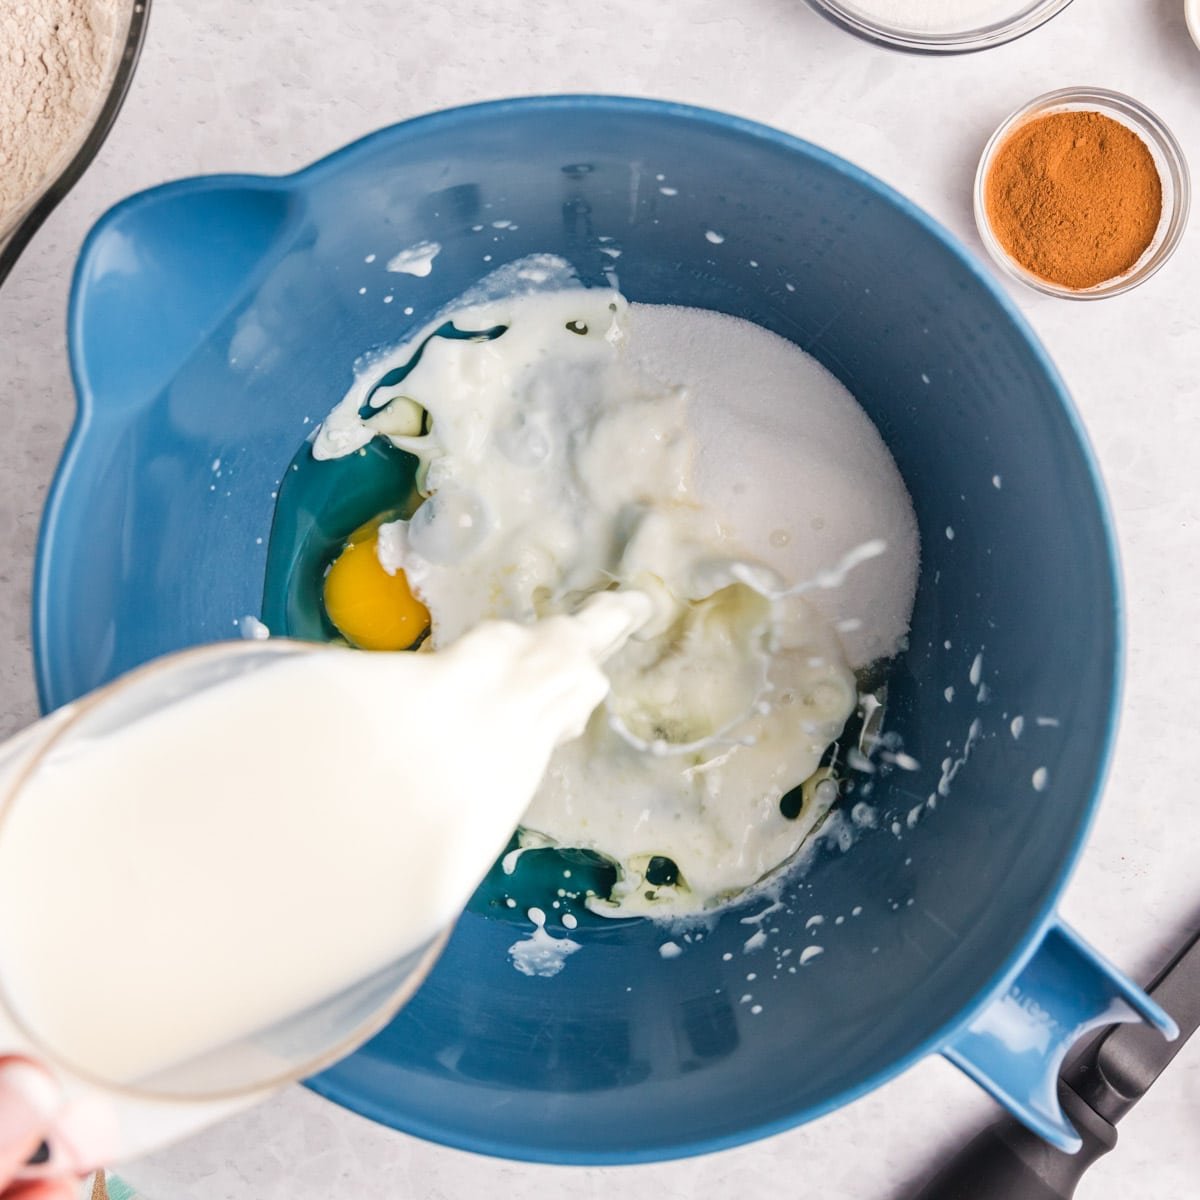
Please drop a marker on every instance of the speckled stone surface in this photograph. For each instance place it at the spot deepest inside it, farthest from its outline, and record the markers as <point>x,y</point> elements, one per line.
<point>268,86</point>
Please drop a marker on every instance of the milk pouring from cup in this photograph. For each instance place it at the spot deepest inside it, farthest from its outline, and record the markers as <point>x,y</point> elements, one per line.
<point>232,866</point>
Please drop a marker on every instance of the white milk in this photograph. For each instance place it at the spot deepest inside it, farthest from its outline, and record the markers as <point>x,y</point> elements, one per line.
<point>578,440</point>
<point>255,848</point>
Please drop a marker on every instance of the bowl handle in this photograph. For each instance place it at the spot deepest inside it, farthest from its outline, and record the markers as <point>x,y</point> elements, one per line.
<point>1014,1048</point>
<point>160,271</point>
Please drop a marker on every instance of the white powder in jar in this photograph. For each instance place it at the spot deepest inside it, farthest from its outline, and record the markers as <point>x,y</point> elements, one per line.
<point>56,59</point>
<point>937,16</point>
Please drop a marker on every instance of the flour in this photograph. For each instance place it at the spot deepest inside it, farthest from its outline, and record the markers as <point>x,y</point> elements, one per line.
<point>56,57</point>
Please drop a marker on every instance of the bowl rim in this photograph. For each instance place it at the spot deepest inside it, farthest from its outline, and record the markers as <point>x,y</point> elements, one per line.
<point>53,691</point>
<point>967,41</point>
<point>1131,113</point>
<point>1191,16</point>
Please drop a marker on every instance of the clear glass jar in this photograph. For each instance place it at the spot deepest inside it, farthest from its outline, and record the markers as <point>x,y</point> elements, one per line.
<point>993,30</point>
<point>1168,158</point>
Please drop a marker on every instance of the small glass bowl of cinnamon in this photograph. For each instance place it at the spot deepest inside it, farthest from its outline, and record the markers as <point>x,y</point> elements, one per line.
<point>1074,206</point>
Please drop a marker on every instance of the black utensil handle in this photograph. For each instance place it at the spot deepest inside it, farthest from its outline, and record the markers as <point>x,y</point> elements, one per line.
<point>1008,1162</point>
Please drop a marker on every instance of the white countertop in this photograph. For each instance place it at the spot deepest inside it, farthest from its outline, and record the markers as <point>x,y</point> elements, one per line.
<point>268,86</point>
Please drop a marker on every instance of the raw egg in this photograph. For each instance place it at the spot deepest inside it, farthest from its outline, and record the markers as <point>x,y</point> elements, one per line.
<point>370,608</point>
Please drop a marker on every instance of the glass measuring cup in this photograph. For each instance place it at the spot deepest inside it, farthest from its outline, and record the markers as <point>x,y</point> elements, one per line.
<point>287,1049</point>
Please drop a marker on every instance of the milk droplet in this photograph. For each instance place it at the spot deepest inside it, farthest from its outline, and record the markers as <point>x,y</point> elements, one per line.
<point>416,260</point>
<point>540,954</point>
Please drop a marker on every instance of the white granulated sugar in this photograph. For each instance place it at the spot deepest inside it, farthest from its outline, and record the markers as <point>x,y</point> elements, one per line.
<point>786,455</point>
<point>56,59</point>
<point>935,16</point>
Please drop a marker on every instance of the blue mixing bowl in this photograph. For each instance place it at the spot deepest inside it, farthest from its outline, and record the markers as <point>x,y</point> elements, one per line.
<point>214,320</point>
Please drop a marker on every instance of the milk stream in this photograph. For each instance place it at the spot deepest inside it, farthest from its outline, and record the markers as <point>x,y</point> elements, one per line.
<point>252,849</point>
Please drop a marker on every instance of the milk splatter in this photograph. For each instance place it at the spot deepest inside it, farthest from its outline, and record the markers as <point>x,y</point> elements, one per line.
<point>976,673</point>
<point>252,629</point>
<point>952,766</point>
<point>416,260</point>
<point>541,954</point>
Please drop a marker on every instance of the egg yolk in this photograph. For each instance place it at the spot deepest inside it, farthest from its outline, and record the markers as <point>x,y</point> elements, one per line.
<point>370,608</point>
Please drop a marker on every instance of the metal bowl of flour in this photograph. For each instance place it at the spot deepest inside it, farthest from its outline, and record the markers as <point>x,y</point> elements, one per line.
<point>15,233</point>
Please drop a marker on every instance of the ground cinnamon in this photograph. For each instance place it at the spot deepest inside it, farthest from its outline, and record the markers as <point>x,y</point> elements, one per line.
<point>1074,197</point>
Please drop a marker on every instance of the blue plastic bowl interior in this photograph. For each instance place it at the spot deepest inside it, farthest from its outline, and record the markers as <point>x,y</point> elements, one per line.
<point>215,320</point>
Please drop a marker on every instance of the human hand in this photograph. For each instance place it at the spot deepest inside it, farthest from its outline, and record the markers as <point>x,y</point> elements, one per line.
<point>29,1100</point>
